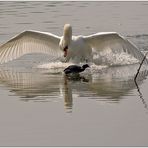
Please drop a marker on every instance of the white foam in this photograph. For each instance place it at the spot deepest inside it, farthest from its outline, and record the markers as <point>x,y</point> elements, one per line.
<point>113,59</point>
<point>54,65</point>
<point>101,61</point>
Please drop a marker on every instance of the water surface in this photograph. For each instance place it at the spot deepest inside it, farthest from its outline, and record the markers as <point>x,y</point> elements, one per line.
<point>42,107</point>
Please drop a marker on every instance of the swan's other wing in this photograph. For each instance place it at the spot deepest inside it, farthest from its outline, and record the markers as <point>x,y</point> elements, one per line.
<point>30,42</point>
<point>114,42</point>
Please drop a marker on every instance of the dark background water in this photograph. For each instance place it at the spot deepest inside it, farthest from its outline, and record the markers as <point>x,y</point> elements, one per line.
<point>39,108</point>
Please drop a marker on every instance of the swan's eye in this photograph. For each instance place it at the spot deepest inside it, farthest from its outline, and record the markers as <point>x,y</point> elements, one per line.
<point>66,47</point>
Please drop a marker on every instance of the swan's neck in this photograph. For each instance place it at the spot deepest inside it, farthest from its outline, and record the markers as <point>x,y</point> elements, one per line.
<point>67,34</point>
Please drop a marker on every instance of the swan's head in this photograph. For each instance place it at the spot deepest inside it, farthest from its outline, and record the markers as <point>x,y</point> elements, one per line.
<point>66,39</point>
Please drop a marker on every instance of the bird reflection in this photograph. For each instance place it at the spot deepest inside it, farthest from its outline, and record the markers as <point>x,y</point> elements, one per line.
<point>68,88</point>
<point>107,85</point>
<point>76,77</point>
<point>68,101</point>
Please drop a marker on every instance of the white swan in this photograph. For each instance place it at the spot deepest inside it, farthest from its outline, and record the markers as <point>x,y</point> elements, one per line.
<point>78,48</point>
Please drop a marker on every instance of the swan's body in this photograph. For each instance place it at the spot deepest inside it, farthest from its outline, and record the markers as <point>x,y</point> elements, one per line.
<point>77,48</point>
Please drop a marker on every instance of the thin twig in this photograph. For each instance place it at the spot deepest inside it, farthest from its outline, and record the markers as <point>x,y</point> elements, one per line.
<point>141,96</point>
<point>138,70</point>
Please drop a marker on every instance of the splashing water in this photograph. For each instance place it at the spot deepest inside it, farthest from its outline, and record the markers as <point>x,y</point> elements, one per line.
<point>113,59</point>
<point>100,61</point>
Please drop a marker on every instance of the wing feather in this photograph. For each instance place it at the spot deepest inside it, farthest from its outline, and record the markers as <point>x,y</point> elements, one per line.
<point>115,42</point>
<point>30,42</point>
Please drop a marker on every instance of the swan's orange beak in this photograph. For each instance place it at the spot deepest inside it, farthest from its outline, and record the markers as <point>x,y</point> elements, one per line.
<point>65,51</point>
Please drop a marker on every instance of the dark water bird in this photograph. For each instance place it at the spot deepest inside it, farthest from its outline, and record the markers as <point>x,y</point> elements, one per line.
<point>75,69</point>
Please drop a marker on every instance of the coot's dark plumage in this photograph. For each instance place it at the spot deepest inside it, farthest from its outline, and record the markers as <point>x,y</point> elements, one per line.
<point>75,69</point>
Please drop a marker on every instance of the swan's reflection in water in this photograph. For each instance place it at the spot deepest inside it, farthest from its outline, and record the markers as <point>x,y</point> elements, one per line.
<point>68,87</point>
<point>107,85</point>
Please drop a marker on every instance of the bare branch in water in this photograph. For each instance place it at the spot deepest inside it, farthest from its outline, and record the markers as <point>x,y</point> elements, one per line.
<point>141,96</point>
<point>138,70</point>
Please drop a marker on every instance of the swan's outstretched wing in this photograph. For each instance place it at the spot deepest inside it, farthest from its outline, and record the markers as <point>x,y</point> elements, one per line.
<point>114,42</point>
<point>30,42</point>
